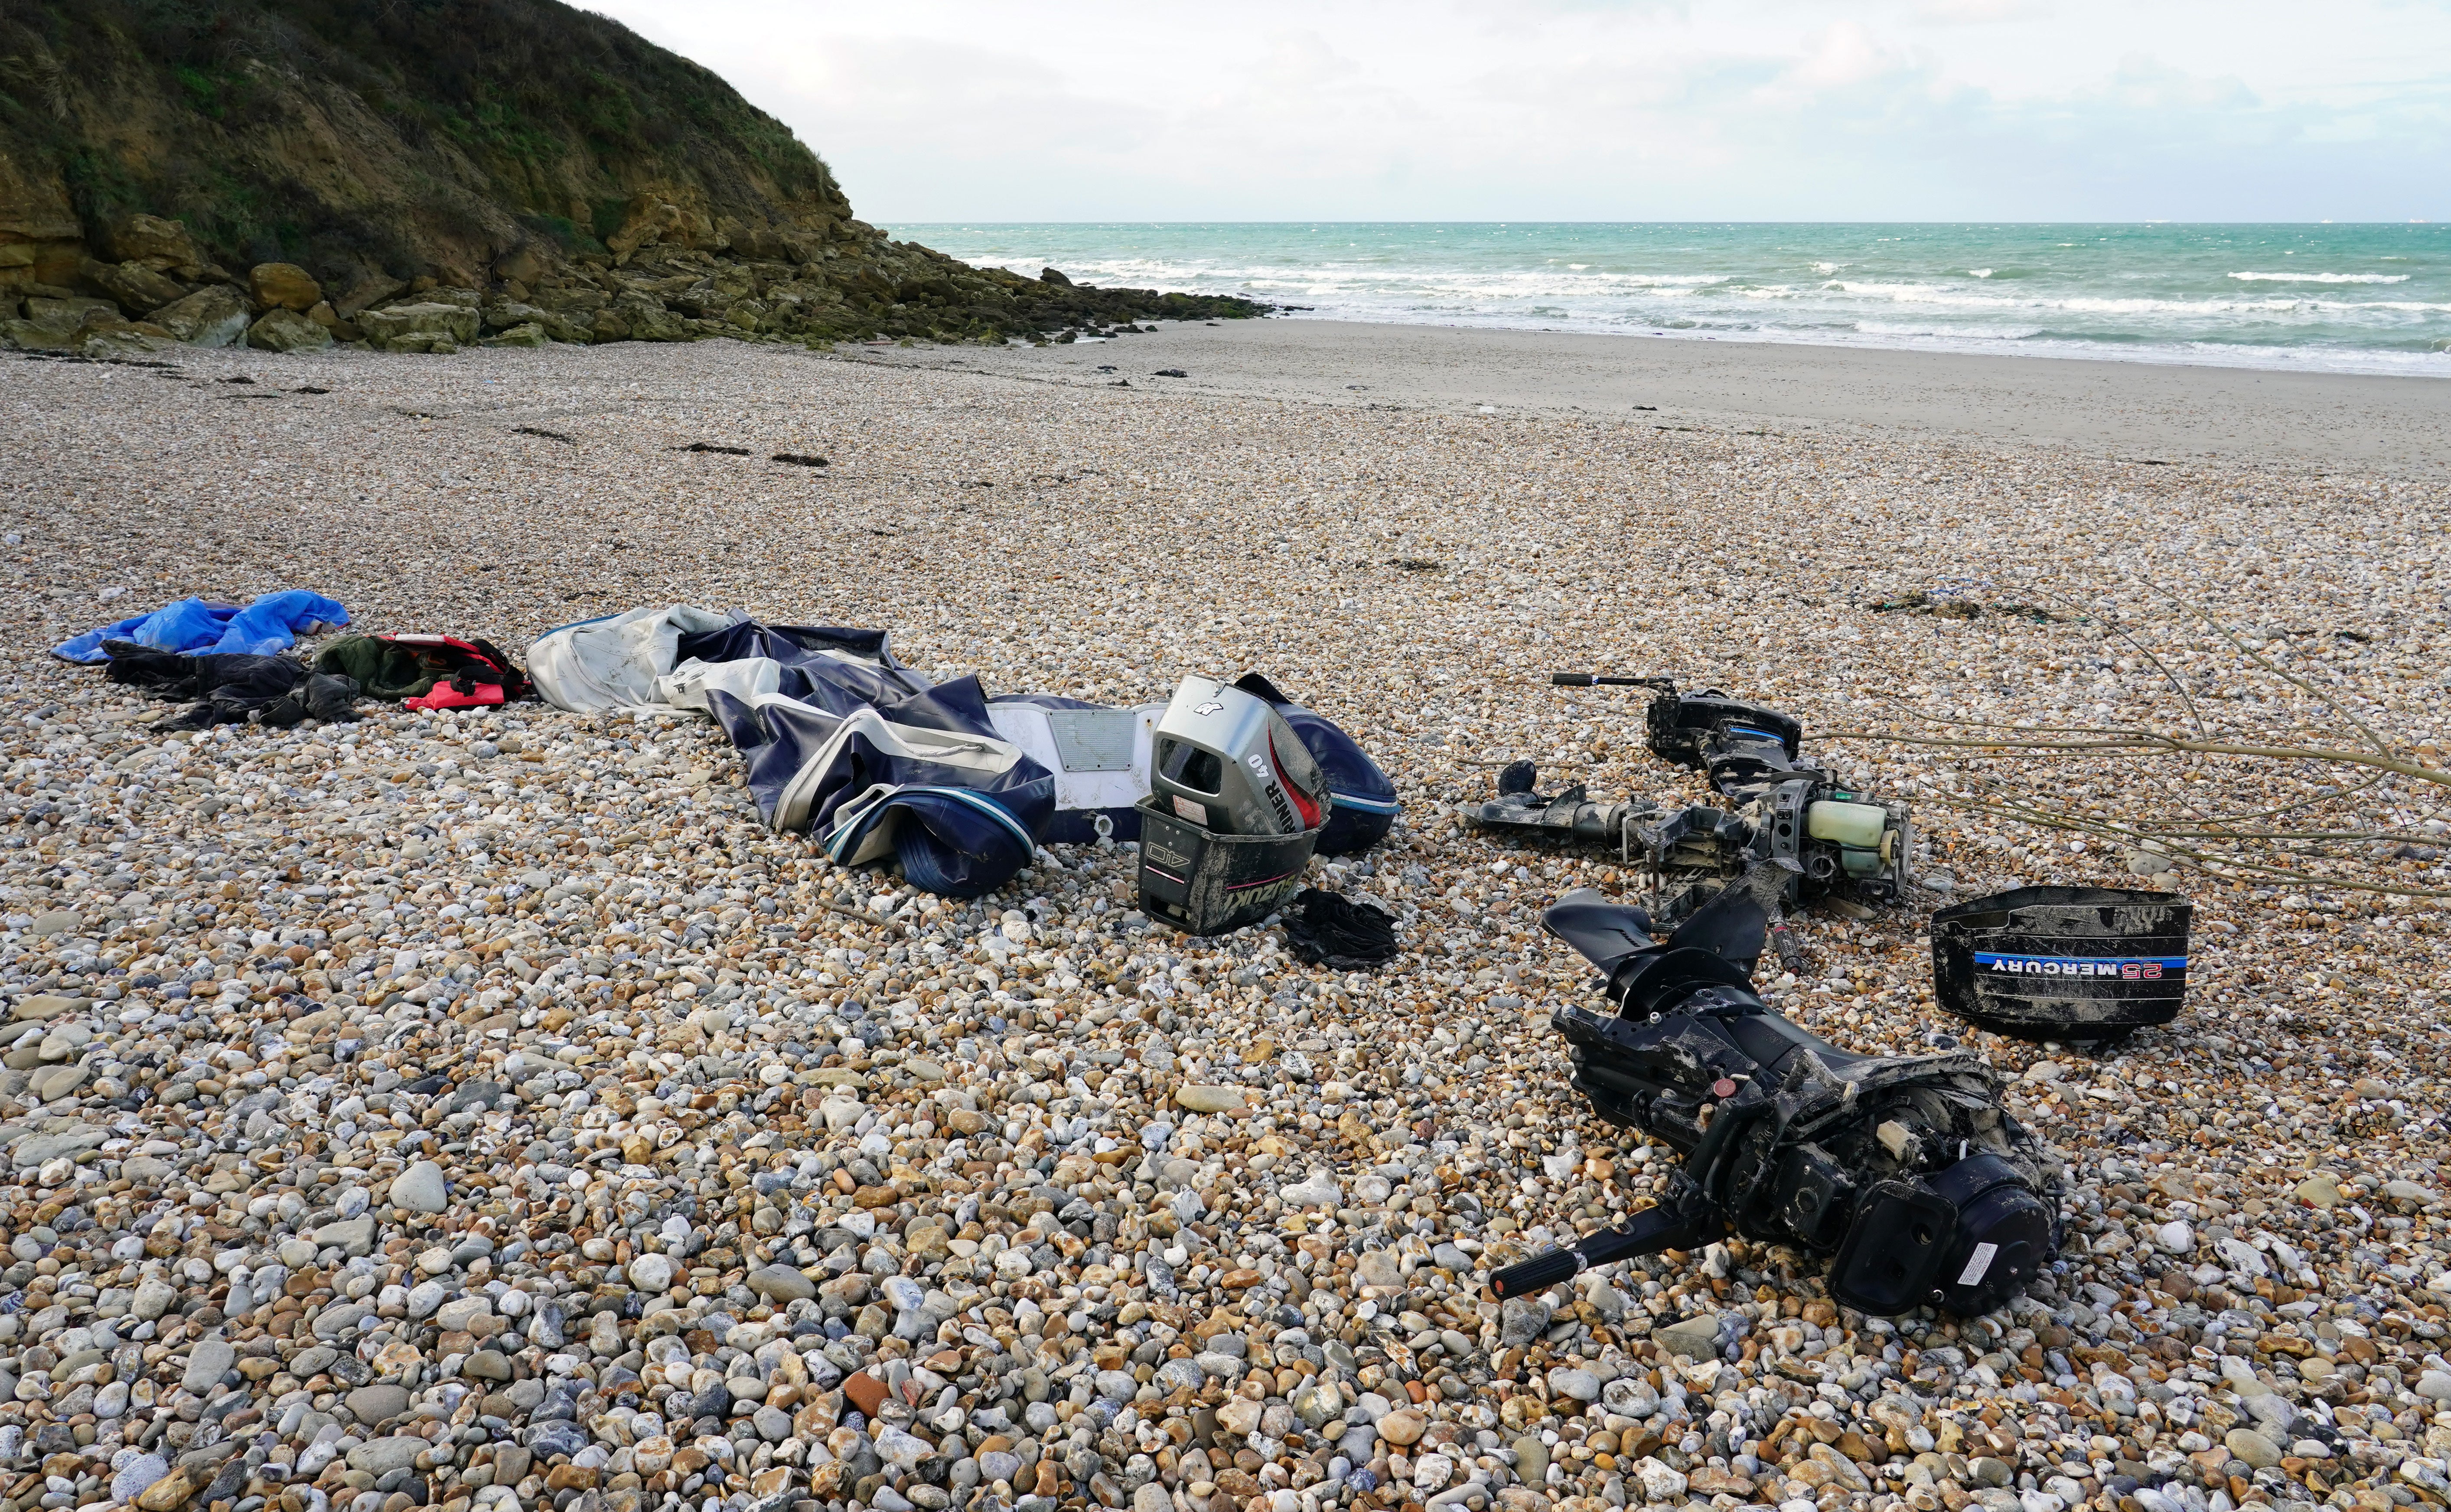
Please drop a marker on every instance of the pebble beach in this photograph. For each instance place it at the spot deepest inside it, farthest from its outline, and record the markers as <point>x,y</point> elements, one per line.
<point>485,1112</point>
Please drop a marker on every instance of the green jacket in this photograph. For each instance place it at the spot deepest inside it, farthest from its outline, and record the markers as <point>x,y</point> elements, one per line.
<point>387,672</point>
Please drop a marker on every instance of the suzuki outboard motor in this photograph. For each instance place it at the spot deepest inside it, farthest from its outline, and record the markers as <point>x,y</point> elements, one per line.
<point>1235,807</point>
<point>1907,1172</point>
<point>1365,804</point>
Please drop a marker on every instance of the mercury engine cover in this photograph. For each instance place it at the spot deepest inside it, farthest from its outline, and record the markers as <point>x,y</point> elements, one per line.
<point>2063,962</point>
<point>1224,760</point>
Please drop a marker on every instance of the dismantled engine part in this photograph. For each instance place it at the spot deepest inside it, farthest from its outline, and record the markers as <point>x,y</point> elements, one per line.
<point>1740,745</point>
<point>1781,806</point>
<point>1907,1172</point>
<point>1224,760</point>
<point>1205,883</point>
<point>2063,962</point>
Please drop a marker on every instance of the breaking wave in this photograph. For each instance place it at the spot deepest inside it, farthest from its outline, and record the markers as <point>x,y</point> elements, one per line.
<point>2158,293</point>
<point>2321,278</point>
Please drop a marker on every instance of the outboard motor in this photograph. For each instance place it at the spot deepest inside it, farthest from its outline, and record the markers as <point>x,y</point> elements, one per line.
<point>1775,804</point>
<point>1365,804</point>
<point>1235,807</point>
<point>1907,1172</point>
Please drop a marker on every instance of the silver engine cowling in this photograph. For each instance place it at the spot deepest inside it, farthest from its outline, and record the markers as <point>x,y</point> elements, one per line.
<point>1225,762</point>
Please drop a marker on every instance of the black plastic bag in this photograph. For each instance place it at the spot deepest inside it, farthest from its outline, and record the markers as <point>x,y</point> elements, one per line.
<point>1330,929</point>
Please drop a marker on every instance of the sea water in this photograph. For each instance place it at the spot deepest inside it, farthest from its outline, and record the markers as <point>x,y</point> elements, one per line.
<point>2340,298</point>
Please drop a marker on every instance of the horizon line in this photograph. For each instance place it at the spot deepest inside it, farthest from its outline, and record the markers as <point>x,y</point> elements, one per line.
<point>1128,220</point>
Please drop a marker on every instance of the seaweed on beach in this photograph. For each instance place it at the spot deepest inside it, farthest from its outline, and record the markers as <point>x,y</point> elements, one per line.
<point>1944,604</point>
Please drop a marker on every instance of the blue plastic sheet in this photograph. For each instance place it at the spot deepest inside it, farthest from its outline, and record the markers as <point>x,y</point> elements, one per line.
<point>200,626</point>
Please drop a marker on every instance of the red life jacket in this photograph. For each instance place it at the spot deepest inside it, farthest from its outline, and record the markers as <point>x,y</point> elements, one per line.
<point>467,673</point>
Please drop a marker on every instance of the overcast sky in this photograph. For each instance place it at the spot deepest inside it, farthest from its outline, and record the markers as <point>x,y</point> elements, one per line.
<point>1599,110</point>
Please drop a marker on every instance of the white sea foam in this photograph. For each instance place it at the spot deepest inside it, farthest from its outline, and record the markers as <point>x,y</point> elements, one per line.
<point>1969,332</point>
<point>1916,292</point>
<point>2186,293</point>
<point>2321,278</point>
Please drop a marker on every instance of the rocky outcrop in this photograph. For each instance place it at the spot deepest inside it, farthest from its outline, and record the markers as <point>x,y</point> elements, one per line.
<point>283,329</point>
<point>355,157</point>
<point>657,292</point>
<point>426,326</point>
<point>213,315</point>
<point>42,238</point>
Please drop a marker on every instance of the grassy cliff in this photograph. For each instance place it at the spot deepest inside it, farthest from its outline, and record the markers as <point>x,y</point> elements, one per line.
<point>501,148</point>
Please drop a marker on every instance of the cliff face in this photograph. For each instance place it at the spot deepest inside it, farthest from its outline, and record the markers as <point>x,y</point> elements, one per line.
<point>497,150</point>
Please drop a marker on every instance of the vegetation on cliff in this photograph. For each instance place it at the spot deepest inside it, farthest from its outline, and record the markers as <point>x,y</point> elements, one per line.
<point>519,153</point>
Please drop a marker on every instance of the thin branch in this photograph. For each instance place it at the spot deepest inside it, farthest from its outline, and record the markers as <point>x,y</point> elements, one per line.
<point>2147,741</point>
<point>2291,807</point>
<point>2216,627</point>
<point>2147,827</point>
<point>2365,763</point>
<point>2215,864</point>
<point>2155,829</point>
<point>2176,686</point>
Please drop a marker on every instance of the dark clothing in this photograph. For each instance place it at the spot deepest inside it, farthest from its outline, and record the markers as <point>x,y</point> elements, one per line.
<point>394,669</point>
<point>232,689</point>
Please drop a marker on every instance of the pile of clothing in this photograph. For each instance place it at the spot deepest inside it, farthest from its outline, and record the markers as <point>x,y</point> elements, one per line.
<point>1341,933</point>
<point>426,672</point>
<point>228,663</point>
<point>879,761</point>
<point>205,626</point>
<point>232,688</point>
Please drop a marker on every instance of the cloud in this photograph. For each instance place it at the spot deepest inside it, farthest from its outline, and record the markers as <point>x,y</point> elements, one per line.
<point>2143,83</point>
<point>1841,57</point>
<point>1979,12</point>
<point>1099,110</point>
<point>1304,61</point>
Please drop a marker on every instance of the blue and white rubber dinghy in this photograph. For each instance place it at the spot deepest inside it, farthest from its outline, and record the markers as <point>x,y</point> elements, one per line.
<point>840,738</point>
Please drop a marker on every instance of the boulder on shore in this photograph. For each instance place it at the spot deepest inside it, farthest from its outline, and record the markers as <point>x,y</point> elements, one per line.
<point>420,327</point>
<point>162,246</point>
<point>285,330</point>
<point>214,316</point>
<point>131,285</point>
<point>283,286</point>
